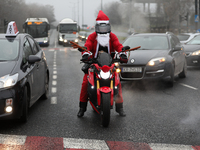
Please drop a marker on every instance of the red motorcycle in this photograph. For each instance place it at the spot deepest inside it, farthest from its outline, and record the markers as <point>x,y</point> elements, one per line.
<point>103,81</point>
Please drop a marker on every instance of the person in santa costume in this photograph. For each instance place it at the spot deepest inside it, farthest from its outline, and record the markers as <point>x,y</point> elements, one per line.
<point>101,39</point>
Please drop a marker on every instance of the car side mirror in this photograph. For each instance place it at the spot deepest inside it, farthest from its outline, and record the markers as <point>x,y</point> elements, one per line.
<point>33,58</point>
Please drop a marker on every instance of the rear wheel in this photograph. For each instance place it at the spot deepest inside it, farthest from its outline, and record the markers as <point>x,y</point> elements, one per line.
<point>105,114</point>
<point>24,117</point>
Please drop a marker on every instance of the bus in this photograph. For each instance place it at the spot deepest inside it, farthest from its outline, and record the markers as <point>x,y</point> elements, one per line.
<point>38,28</point>
<point>66,26</point>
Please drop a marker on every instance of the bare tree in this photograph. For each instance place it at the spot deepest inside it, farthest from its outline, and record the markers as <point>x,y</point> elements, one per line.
<point>19,11</point>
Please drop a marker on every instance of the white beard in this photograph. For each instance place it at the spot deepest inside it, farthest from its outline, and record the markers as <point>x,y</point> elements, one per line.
<point>103,39</point>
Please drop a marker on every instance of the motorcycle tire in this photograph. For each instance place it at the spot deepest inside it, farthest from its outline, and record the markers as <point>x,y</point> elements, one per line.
<point>105,113</point>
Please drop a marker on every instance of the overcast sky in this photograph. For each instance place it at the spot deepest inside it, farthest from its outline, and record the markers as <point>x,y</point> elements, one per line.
<point>70,8</point>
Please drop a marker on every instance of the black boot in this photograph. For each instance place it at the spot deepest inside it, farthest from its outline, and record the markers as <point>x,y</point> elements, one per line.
<point>119,109</point>
<point>83,108</point>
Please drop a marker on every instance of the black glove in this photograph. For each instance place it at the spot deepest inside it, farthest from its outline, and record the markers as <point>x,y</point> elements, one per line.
<point>123,58</point>
<point>125,48</point>
<point>85,57</point>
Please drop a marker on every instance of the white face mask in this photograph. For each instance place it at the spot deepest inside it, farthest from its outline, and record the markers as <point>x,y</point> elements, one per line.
<point>103,39</point>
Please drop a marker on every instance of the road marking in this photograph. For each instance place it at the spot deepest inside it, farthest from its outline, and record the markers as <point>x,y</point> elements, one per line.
<point>189,86</point>
<point>155,146</point>
<point>54,72</point>
<point>84,144</point>
<point>54,76</point>
<point>54,82</point>
<point>41,142</point>
<point>53,100</point>
<point>12,139</point>
<point>53,89</point>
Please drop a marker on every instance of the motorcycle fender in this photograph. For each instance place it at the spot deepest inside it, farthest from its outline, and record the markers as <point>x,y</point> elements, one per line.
<point>104,90</point>
<point>90,78</point>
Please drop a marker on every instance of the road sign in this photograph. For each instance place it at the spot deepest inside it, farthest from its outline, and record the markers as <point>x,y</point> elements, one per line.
<point>196,19</point>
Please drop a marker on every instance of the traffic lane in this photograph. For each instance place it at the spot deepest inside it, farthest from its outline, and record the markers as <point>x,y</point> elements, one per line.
<point>149,111</point>
<point>154,114</point>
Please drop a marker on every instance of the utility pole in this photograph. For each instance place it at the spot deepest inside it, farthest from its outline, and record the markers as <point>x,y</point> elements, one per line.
<point>196,15</point>
<point>101,6</point>
<point>82,12</point>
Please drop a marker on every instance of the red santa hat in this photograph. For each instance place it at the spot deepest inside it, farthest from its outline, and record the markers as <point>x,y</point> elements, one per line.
<point>102,17</point>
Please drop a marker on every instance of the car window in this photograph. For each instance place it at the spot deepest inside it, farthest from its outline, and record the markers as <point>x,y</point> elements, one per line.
<point>9,49</point>
<point>33,45</point>
<point>183,37</point>
<point>155,42</point>
<point>176,40</point>
<point>27,50</point>
<point>173,44</point>
<point>195,40</point>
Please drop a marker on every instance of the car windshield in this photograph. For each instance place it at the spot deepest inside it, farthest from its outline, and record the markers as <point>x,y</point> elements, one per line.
<point>9,49</point>
<point>194,41</point>
<point>148,42</point>
<point>183,37</point>
<point>82,33</point>
<point>70,35</point>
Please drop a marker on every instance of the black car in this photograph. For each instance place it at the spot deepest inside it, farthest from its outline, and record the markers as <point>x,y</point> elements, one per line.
<point>161,56</point>
<point>24,74</point>
<point>192,50</point>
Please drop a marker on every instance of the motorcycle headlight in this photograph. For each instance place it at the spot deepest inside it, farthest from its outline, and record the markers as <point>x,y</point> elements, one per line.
<point>8,81</point>
<point>196,53</point>
<point>65,41</point>
<point>76,40</point>
<point>116,64</point>
<point>156,61</point>
<point>104,75</point>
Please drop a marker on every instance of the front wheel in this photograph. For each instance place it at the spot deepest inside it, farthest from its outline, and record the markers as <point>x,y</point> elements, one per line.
<point>105,114</point>
<point>184,72</point>
<point>46,88</point>
<point>24,117</point>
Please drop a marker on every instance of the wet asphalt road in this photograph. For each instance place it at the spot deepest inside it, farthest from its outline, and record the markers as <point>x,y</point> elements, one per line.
<point>155,113</point>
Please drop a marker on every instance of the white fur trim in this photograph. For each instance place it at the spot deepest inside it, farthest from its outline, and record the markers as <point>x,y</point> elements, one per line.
<point>102,21</point>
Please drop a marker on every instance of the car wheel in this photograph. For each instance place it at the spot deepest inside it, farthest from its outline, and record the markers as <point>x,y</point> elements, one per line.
<point>184,72</point>
<point>170,83</point>
<point>46,88</point>
<point>24,117</point>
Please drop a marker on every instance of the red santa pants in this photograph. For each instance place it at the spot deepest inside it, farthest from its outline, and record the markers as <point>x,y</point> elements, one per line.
<point>84,95</point>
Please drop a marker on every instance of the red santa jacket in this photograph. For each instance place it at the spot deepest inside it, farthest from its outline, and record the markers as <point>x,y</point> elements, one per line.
<point>91,44</point>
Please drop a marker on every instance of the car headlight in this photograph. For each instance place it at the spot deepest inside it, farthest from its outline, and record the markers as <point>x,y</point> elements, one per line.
<point>60,39</point>
<point>196,53</point>
<point>45,40</point>
<point>83,36</point>
<point>156,61</point>
<point>8,81</point>
<point>104,75</point>
<point>76,40</point>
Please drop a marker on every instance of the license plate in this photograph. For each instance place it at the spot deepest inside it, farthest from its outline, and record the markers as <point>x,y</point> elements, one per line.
<point>132,69</point>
